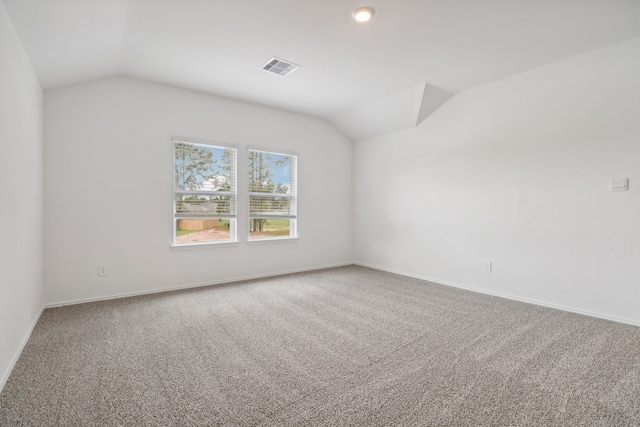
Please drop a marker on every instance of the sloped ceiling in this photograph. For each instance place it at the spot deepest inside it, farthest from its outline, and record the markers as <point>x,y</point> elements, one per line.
<point>219,46</point>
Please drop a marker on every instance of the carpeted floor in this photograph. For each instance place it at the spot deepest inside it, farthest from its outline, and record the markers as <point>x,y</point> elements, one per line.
<point>345,346</point>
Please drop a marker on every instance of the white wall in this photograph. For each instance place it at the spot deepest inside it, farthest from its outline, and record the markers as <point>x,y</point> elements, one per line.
<point>109,178</point>
<point>21,289</point>
<point>516,172</point>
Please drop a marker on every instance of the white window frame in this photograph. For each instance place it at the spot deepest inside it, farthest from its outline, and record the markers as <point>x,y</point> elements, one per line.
<point>292,196</point>
<point>233,194</point>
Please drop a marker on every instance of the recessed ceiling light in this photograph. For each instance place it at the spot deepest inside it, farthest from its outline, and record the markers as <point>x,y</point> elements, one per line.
<point>363,14</point>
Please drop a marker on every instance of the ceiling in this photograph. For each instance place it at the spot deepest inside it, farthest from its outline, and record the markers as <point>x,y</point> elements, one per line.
<point>219,46</point>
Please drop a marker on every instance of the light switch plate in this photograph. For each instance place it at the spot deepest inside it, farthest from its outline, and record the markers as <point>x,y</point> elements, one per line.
<point>618,184</point>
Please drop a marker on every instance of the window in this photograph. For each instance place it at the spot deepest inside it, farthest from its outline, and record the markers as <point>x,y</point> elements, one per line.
<point>272,195</point>
<point>205,193</point>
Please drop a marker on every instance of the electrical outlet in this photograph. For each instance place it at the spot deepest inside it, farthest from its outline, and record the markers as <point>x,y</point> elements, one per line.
<point>486,266</point>
<point>102,270</point>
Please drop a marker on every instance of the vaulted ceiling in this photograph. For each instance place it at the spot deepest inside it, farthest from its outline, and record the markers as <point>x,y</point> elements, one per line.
<point>219,46</point>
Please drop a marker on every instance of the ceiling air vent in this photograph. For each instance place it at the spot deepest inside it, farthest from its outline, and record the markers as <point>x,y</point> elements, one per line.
<point>280,67</point>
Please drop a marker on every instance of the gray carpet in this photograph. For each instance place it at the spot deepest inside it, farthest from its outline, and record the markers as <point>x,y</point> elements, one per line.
<point>344,346</point>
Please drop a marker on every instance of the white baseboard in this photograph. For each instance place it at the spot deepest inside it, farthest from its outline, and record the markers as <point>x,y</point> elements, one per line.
<point>5,375</point>
<point>507,296</point>
<point>193,285</point>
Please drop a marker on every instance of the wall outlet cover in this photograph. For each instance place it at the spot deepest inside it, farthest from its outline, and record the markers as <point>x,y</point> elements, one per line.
<point>102,270</point>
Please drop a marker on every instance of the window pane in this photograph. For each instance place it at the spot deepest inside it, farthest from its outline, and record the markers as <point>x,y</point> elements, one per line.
<point>270,173</point>
<point>261,228</point>
<point>204,167</point>
<point>194,230</point>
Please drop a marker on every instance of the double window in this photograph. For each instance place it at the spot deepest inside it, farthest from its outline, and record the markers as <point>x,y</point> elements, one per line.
<point>206,194</point>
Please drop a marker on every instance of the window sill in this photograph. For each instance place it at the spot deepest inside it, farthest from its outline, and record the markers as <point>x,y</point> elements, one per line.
<point>276,240</point>
<point>207,245</point>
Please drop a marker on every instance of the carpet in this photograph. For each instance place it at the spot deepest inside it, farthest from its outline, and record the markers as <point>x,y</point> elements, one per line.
<point>347,346</point>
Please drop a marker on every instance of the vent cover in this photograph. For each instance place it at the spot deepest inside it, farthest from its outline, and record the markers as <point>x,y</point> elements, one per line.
<point>279,67</point>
